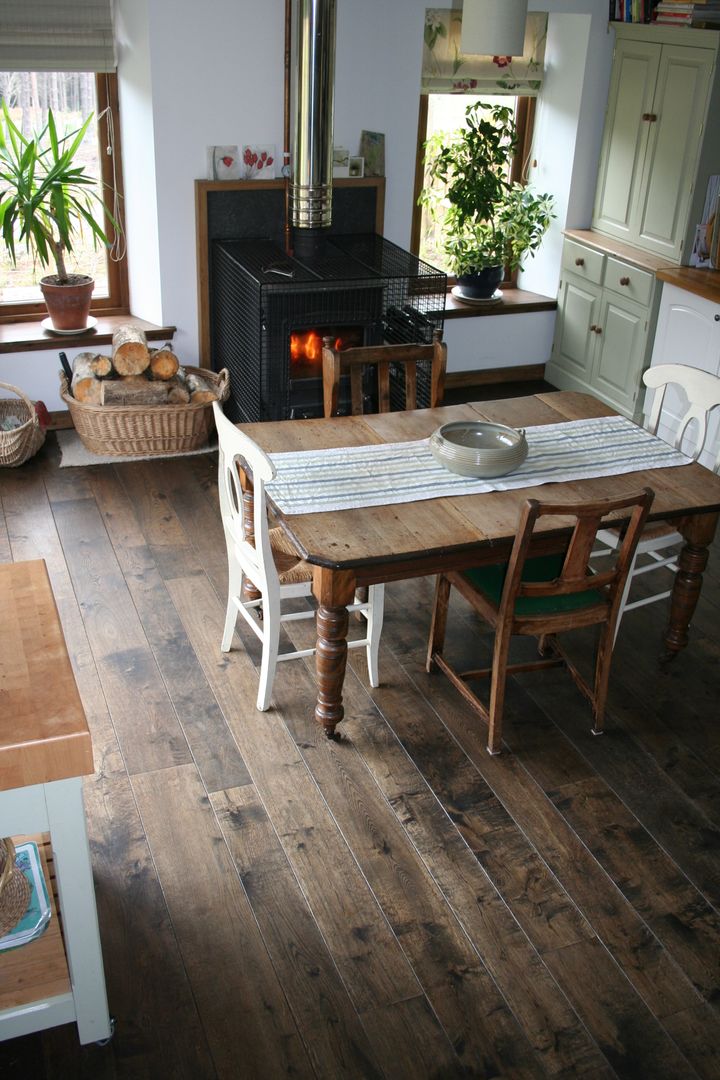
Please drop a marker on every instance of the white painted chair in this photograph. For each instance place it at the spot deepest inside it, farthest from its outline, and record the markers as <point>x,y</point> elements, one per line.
<point>702,391</point>
<point>267,559</point>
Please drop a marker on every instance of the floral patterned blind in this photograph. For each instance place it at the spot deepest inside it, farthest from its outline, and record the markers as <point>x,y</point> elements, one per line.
<point>446,70</point>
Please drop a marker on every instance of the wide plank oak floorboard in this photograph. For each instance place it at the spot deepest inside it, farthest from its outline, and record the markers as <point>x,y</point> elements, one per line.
<point>396,904</point>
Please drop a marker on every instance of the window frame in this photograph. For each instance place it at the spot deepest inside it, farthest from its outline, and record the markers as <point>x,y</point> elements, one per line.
<point>118,300</point>
<point>525,124</point>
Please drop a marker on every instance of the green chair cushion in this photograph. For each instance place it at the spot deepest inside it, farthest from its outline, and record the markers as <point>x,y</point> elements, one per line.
<point>491,579</point>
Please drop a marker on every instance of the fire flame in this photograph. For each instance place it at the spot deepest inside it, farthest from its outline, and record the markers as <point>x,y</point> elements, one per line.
<point>308,346</point>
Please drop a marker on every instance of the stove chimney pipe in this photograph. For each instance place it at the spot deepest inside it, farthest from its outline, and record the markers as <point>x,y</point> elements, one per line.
<point>312,158</point>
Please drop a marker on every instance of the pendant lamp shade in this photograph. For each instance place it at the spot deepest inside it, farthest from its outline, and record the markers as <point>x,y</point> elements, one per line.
<point>493,27</point>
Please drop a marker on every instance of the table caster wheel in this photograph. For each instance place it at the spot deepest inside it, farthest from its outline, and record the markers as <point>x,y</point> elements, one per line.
<point>104,1042</point>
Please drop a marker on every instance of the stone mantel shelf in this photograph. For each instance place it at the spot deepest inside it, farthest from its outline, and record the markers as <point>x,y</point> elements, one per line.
<point>30,336</point>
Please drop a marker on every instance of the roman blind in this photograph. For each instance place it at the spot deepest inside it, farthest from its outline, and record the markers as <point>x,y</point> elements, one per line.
<point>446,70</point>
<point>57,35</point>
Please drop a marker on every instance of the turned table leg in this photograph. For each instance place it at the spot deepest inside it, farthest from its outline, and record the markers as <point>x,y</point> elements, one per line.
<point>333,590</point>
<point>698,532</point>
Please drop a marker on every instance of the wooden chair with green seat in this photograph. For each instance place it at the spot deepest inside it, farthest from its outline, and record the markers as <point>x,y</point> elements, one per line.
<point>382,357</point>
<point>542,596</point>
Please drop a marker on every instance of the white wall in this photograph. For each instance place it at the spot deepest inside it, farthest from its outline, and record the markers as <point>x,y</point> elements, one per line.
<point>193,75</point>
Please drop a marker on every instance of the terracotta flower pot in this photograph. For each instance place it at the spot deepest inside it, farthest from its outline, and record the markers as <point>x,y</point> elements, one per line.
<point>68,305</point>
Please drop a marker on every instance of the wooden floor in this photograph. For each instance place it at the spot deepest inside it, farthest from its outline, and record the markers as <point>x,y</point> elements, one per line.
<point>397,904</point>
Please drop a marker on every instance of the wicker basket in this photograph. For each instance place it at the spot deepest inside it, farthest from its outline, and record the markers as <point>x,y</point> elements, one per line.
<point>125,430</point>
<point>21,443</point>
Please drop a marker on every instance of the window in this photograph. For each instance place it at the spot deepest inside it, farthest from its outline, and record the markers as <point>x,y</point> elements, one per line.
<point>72,96</point>
<point>446,112</point>
<point>452,80</point>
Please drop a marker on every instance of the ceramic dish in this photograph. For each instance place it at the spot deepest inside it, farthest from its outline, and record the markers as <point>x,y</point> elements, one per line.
<point>476,448</point>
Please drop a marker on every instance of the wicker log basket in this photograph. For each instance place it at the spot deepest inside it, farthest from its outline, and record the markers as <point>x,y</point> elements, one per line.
<point>126,430</point>
<point>19,444</point>
<point>14,888</point>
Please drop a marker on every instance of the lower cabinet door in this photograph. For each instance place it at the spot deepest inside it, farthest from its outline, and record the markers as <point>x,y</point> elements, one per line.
<point>578,308</point>
<point>618,360</point>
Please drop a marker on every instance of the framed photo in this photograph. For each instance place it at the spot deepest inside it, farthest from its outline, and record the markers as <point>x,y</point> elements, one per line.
<point>372,150</point>
<point>258,161</point>
<point>223,163</point>
<point>356,166</point>
<point>341,161</point>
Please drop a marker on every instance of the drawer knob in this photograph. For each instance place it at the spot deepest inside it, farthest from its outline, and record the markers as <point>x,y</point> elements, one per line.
<point>717,318</point>
<point>597,329</point>
<point>593,328</point>
<point>624,280</point>
<point>579,261</point>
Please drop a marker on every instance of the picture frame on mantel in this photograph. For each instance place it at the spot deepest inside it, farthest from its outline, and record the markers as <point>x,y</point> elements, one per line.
<point>372,150</point>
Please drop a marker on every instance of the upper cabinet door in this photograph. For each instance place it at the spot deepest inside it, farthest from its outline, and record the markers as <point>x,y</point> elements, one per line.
<point>635,71</point>
<point>670,163</point>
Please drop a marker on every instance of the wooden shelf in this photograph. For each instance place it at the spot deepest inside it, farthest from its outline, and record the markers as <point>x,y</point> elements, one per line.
<point>36,971</point>
<point>29,336</point>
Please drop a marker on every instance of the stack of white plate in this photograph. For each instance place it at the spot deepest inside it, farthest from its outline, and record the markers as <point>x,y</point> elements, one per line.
<point>476,448</point>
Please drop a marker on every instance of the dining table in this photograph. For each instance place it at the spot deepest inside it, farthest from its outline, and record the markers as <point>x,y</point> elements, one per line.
<point>360,546</point>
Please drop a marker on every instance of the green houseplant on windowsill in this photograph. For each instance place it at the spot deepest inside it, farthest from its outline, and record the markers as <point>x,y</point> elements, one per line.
<point>489,223</point>
<point>46,199</point>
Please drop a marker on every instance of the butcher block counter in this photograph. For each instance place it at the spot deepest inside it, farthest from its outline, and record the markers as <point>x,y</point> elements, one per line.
<point>704,283</point>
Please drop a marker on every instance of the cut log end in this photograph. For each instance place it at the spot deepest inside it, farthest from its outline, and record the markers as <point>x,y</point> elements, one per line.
<point>164,364</point>
<point>131,355</point>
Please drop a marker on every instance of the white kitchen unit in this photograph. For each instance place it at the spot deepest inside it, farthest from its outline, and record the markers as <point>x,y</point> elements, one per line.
<point>661,140</point>
<point>688,332</point>
<point>607,305</point>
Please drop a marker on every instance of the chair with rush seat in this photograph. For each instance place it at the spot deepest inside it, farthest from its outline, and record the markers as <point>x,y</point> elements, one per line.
<point>382,357</point>
<point>701,391</point>
<point>265,558</point>
<point>543,596</point>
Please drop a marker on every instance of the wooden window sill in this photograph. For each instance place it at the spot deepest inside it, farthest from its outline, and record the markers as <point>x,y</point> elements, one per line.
<point>29,336</point>
<point>514,302</point>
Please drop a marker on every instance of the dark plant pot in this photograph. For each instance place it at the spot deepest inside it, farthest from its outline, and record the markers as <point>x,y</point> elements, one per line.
<point>68,305</point>
<point>481,284</point>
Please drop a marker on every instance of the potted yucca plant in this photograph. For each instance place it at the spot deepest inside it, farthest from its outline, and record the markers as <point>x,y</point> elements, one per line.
<point>46,199</point>
<point>489,224</point>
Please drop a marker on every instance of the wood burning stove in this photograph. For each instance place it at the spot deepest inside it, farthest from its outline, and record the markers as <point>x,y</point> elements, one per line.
<point>271,311</point>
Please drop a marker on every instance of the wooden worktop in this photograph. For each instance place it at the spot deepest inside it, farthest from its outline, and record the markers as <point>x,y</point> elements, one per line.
<point>705,283</point>
<point>44,735</point>
<point>608,245</point>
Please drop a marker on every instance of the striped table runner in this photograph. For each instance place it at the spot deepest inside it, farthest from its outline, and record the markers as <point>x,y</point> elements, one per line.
<point>345,478</point>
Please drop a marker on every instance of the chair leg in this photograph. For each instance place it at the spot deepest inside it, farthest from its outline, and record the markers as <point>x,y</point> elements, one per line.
<point>625,597</point>
<point>235,587</point>
<point>439,619</point>
<point>602,679</point>
<point>268,662</point>
<point>498,680</point>
<point>375,613</point>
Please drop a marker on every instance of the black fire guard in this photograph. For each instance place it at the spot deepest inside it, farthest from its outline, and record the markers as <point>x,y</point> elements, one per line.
<point>261,296</point>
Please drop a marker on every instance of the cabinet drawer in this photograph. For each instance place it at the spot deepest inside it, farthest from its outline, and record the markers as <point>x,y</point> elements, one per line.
<point>583,261</point>
<point>627,280</point>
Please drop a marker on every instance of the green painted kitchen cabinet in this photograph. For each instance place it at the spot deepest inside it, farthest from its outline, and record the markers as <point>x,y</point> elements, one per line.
<point>661,139</point>
<point>603,332</point>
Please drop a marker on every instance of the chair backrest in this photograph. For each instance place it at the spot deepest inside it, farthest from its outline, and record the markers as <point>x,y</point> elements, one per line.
<point>249,534</point>
<point>382,357</point>
<point>575,576</point>
<point>702,391</point>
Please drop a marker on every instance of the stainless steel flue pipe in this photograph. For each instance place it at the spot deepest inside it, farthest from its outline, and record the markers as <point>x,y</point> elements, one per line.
<point>314,84</point>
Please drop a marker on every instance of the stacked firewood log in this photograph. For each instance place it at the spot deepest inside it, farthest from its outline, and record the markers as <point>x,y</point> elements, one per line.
<point>136,375</point>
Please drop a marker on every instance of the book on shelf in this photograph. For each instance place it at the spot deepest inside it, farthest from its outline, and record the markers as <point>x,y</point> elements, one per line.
<point>37,914</point>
